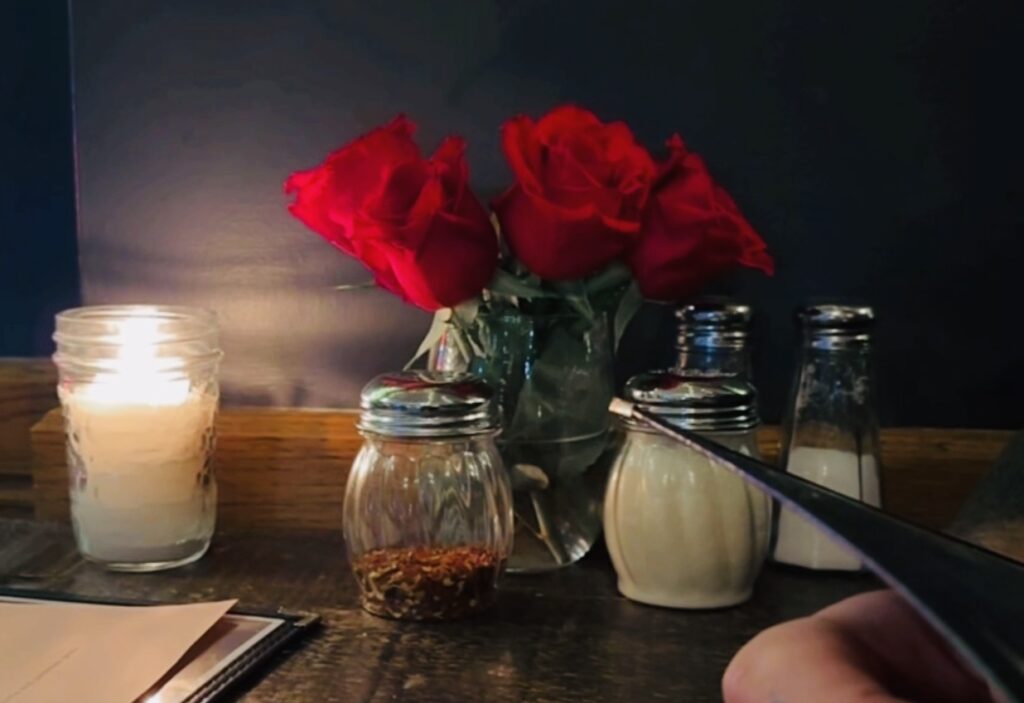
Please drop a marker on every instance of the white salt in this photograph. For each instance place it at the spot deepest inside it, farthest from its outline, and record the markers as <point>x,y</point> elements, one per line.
<point>801,543</point>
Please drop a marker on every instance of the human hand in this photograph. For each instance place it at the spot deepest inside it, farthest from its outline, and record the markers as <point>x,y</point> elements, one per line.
<point>871,648</point>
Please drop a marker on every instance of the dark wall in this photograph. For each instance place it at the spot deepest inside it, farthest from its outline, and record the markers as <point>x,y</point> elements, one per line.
<point>875,145</point>
<point>38,252</point>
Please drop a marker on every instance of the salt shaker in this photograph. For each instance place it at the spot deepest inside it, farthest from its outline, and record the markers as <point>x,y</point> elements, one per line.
<point>831,431</point>
<point>682,531</point>
<point>712,338</point>
<point>428,511</point>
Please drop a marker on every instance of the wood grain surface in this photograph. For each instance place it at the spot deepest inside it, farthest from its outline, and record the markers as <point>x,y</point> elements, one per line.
<point>275,468</point>
<point>28,388</point>
<point>287,468</point>
<point>561,637</point>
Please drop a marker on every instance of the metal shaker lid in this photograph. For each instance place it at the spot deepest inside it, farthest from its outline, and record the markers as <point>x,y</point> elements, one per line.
<point>713,323</point>
<point>699,403</point>
<point>411,404</point>
<point>830,325</point>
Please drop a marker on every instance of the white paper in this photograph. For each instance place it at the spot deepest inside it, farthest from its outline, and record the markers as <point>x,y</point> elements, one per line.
<point>55,653</point>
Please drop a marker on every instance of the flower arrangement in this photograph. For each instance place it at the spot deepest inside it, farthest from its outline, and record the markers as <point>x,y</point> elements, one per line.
<point>589,211</point>
<point>534,295</point>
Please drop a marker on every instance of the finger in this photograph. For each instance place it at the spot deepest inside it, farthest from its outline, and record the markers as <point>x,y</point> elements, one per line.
<point>913,657</point>
<point>804,661</point>
<point>872,647</point>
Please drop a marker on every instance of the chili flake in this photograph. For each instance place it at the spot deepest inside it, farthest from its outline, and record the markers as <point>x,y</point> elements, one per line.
<point>428,583</point>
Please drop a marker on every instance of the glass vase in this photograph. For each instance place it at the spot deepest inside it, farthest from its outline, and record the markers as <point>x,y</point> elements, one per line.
<point>554,377</point>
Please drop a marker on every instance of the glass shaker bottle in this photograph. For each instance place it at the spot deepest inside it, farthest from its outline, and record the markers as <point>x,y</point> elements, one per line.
<point>712,338</point>
<point>428,511</point>
<point>831,431</point>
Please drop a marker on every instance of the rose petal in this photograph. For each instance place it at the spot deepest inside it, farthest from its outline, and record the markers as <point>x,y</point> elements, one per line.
<point>523,153</point>
<point>693,232</point>
<point>554,245</point>
<point>581,188</point>
<point>412,221</point>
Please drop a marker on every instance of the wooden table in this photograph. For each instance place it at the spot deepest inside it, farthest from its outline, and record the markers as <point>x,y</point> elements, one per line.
<point>561,637</point>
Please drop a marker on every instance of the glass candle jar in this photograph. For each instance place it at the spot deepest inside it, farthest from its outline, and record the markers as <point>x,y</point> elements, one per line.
<point>682,531</point>
<point>138,388</point>
<point>428,511</point>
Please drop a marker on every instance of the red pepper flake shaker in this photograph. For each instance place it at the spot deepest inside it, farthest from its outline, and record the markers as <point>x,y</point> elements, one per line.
<point>428,510</point>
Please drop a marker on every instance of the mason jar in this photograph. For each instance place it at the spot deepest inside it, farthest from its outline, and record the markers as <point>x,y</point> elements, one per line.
<point>683,531</point>
<point>428,508</point>
<point>139,393</point>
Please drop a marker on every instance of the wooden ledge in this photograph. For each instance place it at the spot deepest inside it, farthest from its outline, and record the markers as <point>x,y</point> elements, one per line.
<point>27,390</point>
<point>286,468</point>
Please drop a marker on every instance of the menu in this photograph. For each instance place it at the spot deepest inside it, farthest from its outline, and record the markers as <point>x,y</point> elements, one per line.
<point>54,652</point>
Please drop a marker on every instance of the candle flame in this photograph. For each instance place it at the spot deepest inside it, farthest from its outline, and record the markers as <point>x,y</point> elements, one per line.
<point>142,376</point>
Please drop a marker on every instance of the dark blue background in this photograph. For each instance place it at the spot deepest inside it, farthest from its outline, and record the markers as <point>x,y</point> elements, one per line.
<point>876,146</point>
<point>38,250</point>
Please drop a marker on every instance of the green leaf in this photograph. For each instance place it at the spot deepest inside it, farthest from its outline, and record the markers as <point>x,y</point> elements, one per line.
<point>457,335</point>
<point>469,345</point>
<point>467,311</point>
<point>464,321</point>
<point>561,412</point>
<point>581,305</point>
<point>615,275</point>
<point>574,294</point>
<point>505,283</point>
<point>630,304</point>
<point>433,336</point>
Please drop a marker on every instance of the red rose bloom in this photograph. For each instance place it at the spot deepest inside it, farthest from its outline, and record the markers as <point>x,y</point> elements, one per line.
<point>692,231</point>
<point>580,191</point>
<point>412,221</point>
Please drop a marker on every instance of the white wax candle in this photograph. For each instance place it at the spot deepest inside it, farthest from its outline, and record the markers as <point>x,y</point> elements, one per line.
<point>139,439</point>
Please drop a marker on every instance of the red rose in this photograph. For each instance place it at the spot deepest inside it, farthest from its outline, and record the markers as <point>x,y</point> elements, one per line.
<point>579,194</point>
<point>692,232</point>
<point>412,221</point>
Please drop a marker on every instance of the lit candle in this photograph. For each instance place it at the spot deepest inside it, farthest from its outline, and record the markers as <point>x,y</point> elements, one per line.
<point>139,422</point>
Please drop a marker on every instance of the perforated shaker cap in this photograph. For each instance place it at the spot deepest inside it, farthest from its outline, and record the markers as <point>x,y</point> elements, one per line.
<point>831,325</point>
<point>410,404</point>
<point>702,404</point>
<point>713,324</point>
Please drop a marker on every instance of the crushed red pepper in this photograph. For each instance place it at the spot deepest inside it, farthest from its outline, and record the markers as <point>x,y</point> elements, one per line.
<point>428,583</point>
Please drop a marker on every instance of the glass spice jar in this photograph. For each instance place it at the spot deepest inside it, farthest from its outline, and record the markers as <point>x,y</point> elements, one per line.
<point>428,511</point>
<point>683,531</point>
